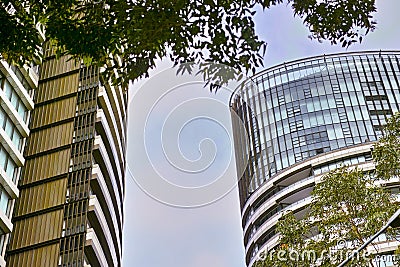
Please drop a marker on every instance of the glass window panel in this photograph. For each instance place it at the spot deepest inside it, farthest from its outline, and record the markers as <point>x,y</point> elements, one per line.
<point>365,113</point>
<point>4,201</point>
<point>277,114</point>
<point>10,168</point>
<point>353,98</point>
<point>17,139</point>
<point>317,104</point>
<point>346,100</point>
<point>2,118</point>
<point>357,113</point>
<point>331,101</point>
<point>391,98</point>
<point>338,131</point>
<point>335,116</point>
<point>385,106</point>
<point>285,161</point>
<point>328,118</point>
<point>22,110</point>
<point>278,163</point>
<point>288,97</point>
<point>306,122</point>
<point>324,102</point>
<point>313,120</point>
<point>291,158</point>
<point>284,113</point>
<point>3,158</point>
<point>386,83</point>
<point>275,100</point>
<point>350,114</point>
<point>310,106</point>
<point>279,129</point>
<point>320,118</point>
<point>9,128</point>
<point>14,99</point>
<point>357,86</point>
<point>8,89</point>
<point>331,133</point>
<point>343,87</point>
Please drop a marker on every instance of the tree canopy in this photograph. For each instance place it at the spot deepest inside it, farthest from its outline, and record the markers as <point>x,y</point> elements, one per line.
<point>140,31</point>
<point>348,207</point>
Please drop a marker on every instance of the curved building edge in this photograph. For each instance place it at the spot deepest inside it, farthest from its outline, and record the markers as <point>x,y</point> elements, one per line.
<point>300,119</point>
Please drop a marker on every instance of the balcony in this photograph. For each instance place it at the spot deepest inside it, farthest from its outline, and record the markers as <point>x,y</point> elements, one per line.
<point>274,219</point>
<point>103,128</point>
<point>298,172</point>
<point>270,244</point>
<point>93,251</point>
<point>286,195</point>
<point>102,158</point>
<point>99,188</point>
<point>98,223</point>
<point>105,105</point>
<point>115,104</point>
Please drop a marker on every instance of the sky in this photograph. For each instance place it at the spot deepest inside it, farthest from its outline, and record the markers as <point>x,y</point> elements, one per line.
<point>181,203</point>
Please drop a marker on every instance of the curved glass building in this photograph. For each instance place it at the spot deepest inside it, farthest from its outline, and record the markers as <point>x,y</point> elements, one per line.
<point>302,119</point>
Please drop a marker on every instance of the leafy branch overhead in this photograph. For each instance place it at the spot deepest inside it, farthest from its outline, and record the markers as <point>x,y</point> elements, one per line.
<point>138,32</point>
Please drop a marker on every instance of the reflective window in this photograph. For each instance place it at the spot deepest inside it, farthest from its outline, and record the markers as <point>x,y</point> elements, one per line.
<point>15,100</point>
<point>10,129</point>
<point>7,164</point>
<point>4,200</point>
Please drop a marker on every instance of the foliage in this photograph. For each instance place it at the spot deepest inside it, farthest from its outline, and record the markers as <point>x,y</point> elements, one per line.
<point>20,40</point>
<point>387,151</point>
<point>139,32</point>
<point>337,20</point>
<point>348,207</point>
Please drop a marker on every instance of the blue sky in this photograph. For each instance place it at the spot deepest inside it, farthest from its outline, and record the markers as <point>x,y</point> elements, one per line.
<point>157,234</point>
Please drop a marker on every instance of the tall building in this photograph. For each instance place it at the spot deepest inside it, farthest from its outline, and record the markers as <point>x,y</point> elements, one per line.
<point>16,99</point>
<point>70,208</point>
<point>303,119</point>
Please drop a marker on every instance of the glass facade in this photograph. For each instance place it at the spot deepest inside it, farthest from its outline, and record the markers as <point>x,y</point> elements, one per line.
<point>303,110</point>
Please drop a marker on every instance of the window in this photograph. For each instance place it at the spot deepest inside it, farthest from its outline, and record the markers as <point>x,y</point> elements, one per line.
<point>4,198</point>
<point>9,128</point>
<point>7,164</point>
<point>15,100</point>
<point>10,169</point>
<point>2,117</point>
<point>8,89</point>
<point>3,158</point>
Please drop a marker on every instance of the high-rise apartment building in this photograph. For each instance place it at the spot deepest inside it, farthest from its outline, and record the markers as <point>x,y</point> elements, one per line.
<point>303,119</point>
<point>70,208</point>
<point>16,94</point>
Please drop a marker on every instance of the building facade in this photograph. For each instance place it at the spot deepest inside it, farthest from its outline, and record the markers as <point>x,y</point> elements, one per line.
<point>70,208</point>
<point>16,97</point>
<point>300,120</point>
